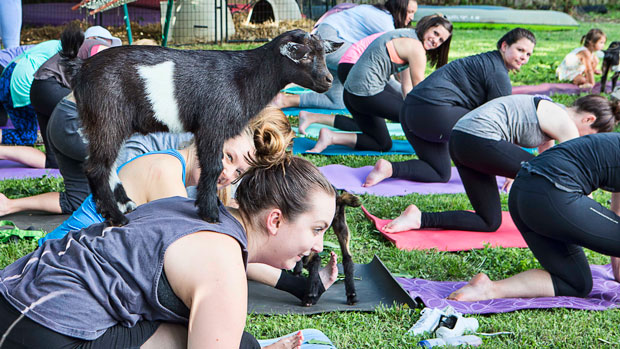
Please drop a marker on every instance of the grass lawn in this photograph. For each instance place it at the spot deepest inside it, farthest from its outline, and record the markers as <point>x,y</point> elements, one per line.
<point>386,328</point>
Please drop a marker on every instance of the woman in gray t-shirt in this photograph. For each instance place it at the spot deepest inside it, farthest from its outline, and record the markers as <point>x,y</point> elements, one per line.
<point>487,142</point>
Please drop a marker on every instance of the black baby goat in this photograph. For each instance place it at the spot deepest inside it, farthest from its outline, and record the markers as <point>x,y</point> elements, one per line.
<point>313,262</point>
<point>611,61</point>
<point>212,94</point>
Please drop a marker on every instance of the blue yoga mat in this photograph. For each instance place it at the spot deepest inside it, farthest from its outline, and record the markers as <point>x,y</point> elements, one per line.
<point>301,145</point>
<point>313,130</point>
<point>295,111</point>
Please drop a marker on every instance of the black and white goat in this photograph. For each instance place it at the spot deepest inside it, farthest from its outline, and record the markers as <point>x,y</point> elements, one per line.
<point>611,61</point>
<point>313,262</point>
<point>212,94</point>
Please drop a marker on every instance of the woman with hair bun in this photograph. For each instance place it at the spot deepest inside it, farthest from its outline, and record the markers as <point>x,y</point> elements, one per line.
<point>167,279</point>
<point>498,130</point>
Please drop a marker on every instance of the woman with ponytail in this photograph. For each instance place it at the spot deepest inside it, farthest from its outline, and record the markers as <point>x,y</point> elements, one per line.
<point>167,279</point>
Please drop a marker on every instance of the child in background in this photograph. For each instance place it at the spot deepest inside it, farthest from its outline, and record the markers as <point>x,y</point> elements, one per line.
<point>580,65</point>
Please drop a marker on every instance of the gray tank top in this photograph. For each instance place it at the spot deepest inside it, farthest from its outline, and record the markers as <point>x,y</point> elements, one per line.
<point>373,70</point>
<point>510,118</point>
<point>100,277</point>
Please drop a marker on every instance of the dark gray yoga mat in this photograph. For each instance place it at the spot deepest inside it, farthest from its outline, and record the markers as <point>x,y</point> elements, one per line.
<point>376,287</point>
<point>36,220</point>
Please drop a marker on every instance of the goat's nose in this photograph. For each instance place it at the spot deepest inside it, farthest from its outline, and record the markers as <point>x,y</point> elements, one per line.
<point>329,78</point>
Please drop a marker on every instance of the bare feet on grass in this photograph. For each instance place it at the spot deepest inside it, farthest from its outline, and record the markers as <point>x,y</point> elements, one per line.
<point>326,138</point>
<point>479,288</point>
<point>329,273</point>
<point>290,342</point>
<point>381,171</point>
<point>411,218</point>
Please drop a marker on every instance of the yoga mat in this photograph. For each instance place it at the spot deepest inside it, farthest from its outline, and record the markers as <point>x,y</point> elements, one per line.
<point>550,89</point>
<point>395,130</point>
<point>376,286</point>
<point>452,240</point>
<point>351,180</point>
<point>301,145</point>
<point>295,111</point>
<point>310,335</point>
<point>605,295</point>
<point>15,170</point>
<point>30,220</point>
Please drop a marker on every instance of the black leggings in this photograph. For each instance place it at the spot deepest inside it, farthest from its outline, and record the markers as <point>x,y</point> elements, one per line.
<point>427,128</point>
<point>28,334</point>
<point>555,224</point>
<point>369,113</point>
<point>342,122</point>
<point>44,95</point>
<point>478,161</point>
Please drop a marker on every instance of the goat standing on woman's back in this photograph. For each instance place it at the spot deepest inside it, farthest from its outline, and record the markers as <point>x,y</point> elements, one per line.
<point>212,94</point>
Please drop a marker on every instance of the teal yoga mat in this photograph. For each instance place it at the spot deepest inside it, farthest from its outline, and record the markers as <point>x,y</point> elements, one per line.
<point>396,130</point>
<point>301,145</point>
<point>295,111</point>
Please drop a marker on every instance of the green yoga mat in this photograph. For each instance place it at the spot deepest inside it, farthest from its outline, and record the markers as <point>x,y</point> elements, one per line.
<point>374,285</point>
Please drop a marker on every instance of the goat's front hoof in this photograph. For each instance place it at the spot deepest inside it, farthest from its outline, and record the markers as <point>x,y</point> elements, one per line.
<point>210,217</point>
<point>310,300</point>
<point>352,299</point>
<point>117,221</point>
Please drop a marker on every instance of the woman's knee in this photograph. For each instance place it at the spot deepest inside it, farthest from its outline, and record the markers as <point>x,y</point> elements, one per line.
<point>578,285</point>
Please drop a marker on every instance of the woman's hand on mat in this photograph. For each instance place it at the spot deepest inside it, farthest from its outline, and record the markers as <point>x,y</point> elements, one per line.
<point>290,342</point>
<point>411,218</point>
<point>615,268</point>
<point>507,185</point>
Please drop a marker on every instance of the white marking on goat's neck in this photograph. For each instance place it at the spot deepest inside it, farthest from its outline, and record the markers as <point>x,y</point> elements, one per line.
<point>159,86</point>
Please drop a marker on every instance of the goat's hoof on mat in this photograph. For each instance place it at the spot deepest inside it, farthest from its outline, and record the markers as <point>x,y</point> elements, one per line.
<point>352,300</point>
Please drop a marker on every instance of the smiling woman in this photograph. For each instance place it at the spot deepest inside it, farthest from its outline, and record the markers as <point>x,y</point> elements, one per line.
<point>433,107</point>
<point>148,291</point>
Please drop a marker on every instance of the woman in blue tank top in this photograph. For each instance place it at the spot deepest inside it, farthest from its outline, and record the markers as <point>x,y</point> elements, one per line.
<point>167,278</point>
<point>550,205</point>
<point>487,142</point>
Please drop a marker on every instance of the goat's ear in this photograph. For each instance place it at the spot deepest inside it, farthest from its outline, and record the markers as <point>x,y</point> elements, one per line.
<point>331,46</point>
<point>294,51</point>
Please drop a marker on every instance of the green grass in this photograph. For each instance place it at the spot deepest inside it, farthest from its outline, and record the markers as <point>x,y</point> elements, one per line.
<point>557,328</point>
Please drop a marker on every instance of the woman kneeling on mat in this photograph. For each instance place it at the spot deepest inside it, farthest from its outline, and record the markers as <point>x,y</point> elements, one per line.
<point>487,142</point>
<point>367,94</point>
<point>550,206</point>
<point>433,107</point>
<point>168,278</point>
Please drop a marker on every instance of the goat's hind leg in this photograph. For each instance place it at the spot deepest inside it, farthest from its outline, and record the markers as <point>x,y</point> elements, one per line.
<point>98,172</point>
<point>209,148</point>
<point>341,229</point>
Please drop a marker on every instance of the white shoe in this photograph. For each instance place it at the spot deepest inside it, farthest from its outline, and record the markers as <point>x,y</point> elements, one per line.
<point>455,326</point>
<point>428,321</point>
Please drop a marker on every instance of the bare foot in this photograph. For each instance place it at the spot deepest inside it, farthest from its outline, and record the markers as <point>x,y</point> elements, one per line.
<point>381,171</point>
<point>329,273</point>
<point>278,101</point>
<point>304,121</point>
<point>326,138</point>
<point>411,218</point>
<point>586,85</point>
<point>5,204</point>
<point>479,288</point>
<point>615,267</point>
<point>290,342</point>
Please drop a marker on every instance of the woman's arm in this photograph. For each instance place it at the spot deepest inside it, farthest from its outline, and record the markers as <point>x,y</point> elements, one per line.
<point>206,272</point>
<point>555,122</point>
<point>412,51</point>
<point>405,82</point>
<point>586,59</point>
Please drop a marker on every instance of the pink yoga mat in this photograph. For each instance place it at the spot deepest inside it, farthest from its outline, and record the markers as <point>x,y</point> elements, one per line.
<point>351,180</point>
<point>451,240</point>
<point>605,294</point>
<point>15,170</point>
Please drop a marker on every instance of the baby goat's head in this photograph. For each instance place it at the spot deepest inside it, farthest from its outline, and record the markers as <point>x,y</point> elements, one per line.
<point>305,59</point>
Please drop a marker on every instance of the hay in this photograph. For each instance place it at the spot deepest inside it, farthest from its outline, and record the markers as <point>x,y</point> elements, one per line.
<point>265,30</point>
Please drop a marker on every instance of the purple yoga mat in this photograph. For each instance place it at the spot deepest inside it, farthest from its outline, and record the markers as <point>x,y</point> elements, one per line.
<point>9,125</point>
<point>605,295</point>
<point>351,179</point>
<point>15,170</point>
<point>549,89</point>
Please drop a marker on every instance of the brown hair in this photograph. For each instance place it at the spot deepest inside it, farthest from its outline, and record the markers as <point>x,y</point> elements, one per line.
<point>607,112</point>
<point>285,187</point>
<point>515,35</point>
<point>272,135</point>
<point>398,9</point>
<point>592,37</point>
<point>437,56</point>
